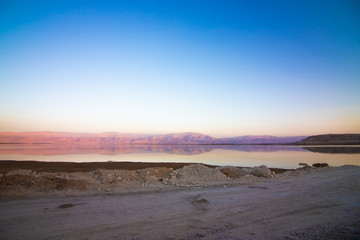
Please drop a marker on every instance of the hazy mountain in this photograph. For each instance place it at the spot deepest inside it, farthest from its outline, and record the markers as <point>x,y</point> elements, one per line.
<point>263,139</point>
<point>122,138</point>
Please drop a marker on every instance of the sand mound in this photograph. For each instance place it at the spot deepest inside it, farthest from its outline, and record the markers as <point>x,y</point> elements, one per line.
<point>195,175</point>
<point>147,175</point>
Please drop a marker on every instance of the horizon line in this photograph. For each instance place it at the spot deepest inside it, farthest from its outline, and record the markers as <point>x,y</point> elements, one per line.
<point>158,134</point>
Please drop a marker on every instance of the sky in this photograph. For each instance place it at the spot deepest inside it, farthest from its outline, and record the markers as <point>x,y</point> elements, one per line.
<point>223,68</point>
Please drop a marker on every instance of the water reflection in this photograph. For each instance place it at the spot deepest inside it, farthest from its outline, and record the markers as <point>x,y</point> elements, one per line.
<point>45,149</point>
<point>334,150</point>
<point>281,156</point>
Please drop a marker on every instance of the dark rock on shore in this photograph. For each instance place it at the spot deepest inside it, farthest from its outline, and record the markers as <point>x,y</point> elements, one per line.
<point>320,165</point>
<point>331,139</point>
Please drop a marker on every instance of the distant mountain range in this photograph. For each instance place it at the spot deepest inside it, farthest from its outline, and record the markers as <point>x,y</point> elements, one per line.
<point>123,138</point>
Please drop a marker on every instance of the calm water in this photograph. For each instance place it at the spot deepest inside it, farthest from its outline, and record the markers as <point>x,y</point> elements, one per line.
<point>236,155</point>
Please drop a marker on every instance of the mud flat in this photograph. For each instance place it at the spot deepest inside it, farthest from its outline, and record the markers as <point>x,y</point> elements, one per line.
<point>190,202</point>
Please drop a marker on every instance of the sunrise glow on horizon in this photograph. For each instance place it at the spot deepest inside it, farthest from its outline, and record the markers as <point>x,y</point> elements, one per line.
<point>222,68</point>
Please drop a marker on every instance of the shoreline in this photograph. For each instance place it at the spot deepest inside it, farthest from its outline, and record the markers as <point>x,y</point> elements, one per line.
<point>52,167</point>
<point>23,179</point>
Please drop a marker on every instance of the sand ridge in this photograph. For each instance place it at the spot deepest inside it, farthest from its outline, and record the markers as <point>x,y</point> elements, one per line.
<point>42,179</point>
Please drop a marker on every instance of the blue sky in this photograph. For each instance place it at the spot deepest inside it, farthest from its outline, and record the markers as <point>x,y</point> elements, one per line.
<point>224,68</point>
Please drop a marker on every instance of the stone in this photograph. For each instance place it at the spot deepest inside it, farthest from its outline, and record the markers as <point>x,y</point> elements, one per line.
<point>305,165</point>
<point>233,172</point>
<point>317,165</point>
<point>261,171</point>
<point>110,177</point>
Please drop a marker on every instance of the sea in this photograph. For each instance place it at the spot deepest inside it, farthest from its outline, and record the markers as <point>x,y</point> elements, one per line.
<point>276,156</point>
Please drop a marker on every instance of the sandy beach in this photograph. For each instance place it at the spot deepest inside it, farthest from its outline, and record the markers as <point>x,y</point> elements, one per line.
<point>308,203</point>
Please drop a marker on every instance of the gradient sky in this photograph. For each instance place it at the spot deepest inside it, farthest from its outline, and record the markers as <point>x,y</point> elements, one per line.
<point>224,68</point>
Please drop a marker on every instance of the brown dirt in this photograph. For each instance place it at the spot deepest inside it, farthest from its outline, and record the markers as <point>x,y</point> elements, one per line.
<point>310,203</point>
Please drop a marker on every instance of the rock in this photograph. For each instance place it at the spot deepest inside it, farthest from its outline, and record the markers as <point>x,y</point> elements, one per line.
<point>304,164</point>
<point>317,165</point>
<point>18,172</point>
<point>233,172</point>
<point>261,171</point>
<point>110,178</point>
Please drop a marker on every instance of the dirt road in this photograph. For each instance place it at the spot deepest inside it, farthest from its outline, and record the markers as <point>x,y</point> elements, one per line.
<point>278,209</point>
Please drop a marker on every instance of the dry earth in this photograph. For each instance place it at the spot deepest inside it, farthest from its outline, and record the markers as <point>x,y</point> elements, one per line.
<point>310,203</point>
